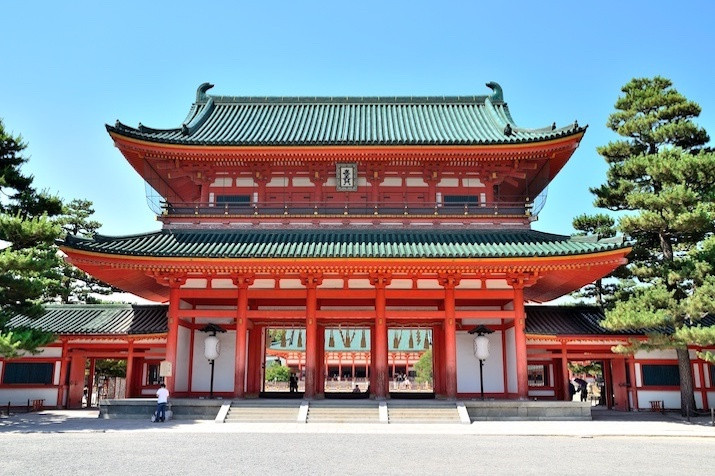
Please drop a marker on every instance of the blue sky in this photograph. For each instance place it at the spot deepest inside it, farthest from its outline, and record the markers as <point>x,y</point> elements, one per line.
<point>71,67</point>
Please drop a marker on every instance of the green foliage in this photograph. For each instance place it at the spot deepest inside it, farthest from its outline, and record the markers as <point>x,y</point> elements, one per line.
<point>423,368</point>
<point>111,367</point>
<point>276,372</point>
<point>662,175</point>
<point>28,258</point>
<point>595,369</point>
<point>599,226</point>
<point>76,285</point>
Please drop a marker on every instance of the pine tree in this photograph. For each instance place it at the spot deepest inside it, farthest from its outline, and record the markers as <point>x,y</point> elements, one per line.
<point>28,257</point>
<point>662,176</point>
<point>76,285</point>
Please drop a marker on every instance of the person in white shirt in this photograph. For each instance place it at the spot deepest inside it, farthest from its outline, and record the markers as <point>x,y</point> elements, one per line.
<point>162,398</point>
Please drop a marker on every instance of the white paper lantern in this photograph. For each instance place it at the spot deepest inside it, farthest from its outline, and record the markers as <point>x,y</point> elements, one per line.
<point>481,347</point>
<point>212,347</point>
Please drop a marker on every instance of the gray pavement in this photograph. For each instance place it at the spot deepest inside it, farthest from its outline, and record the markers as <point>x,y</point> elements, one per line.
<point>604,423</point>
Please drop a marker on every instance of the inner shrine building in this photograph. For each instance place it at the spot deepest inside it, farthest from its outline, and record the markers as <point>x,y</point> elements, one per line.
<point>293,222</point>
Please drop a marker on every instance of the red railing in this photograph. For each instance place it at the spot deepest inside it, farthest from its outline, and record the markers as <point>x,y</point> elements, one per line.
<point>348,208</point>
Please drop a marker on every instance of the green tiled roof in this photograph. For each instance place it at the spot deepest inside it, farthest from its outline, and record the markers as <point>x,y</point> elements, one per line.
<point>342,243</point>
<point>581,320</point>
<point>315,121</point>
<point>85,319</point>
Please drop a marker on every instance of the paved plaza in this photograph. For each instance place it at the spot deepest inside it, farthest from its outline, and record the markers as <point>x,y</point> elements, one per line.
<point>604,423</point>
<point>51,442</point>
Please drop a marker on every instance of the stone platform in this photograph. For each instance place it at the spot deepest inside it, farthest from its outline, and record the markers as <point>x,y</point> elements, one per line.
<point>424,411</point>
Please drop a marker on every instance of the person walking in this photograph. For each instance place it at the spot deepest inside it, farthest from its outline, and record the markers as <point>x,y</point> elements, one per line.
<point>162,399</point>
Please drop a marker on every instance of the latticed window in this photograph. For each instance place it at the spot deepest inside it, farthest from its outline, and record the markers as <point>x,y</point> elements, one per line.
<point>28,372</point>
<point>660,375</point>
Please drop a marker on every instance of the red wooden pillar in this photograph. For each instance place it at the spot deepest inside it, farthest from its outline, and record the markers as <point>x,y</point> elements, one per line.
<point>312,366</point>
<point>322,370</point>
<point>64,368</point>
<point>239,383</point>
<point>78,363</point>
<point>129,377</point>
<point>703,390</point>
<point>437,361</point>
<point>449,282</point>
<point>565,372</point>
<point>522,376</point>
<point>379,343</point>
<point>172,334</point>
<point>254,360</point>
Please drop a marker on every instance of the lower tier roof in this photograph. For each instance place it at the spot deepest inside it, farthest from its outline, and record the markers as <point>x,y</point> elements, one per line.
<point>341,243</point>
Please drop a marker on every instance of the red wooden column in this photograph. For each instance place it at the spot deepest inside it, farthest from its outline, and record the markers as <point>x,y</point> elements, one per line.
<point>522,376</point>
<point>242,282</point>
<point>312,367</point>
<point>449,282</point>
<point>255,357</point>
<point>129,375</point>
<point>565,371</point>
<point>172,334</point>
<point>64,369</point>
<point>379,343</point>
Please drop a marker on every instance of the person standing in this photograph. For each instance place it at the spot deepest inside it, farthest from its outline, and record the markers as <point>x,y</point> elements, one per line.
<point>162,399</point>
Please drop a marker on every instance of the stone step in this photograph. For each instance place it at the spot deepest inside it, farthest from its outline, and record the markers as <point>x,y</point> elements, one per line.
<point>247,411</point>
<point>433,413</point>
<point>320,412</point>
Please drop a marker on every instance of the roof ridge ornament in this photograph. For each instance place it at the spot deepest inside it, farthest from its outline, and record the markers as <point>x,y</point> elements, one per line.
<point>201,91</point>
<point>498,94</point>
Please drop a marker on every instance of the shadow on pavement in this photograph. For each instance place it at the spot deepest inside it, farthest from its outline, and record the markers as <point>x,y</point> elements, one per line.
<point>648,416</point>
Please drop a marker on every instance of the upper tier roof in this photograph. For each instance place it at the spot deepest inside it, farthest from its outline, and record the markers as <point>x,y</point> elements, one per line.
<point>343,243</point>
<point>347,121</point>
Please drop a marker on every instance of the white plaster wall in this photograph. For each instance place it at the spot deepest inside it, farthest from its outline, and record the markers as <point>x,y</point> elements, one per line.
<point>181,382</point>
<point>56,375</point>
<point>510,360</point>
<point>657,354</point>
<point>19,396</point>
<point>223,367</point>
<point>195,283</point>
<point>44,352</point>
<point>711,399</point>
<point>671,399</point>
<point>222,284</point>
<point>468,365</point>
<point>696,375</point>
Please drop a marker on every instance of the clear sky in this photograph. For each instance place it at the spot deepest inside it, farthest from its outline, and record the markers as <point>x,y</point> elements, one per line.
<point>68,68</point>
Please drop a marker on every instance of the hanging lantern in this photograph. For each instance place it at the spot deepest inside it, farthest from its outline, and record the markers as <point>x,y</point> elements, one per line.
<point>411,343</point>
<point>300,340</point>
<point>331,340</point>
<point>481,347</point>
<point>363,341</point>
<point>212,347</point>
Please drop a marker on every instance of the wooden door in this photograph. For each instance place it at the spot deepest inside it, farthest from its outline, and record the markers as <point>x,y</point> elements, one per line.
<point>78,363</point>
<point>619,384</point>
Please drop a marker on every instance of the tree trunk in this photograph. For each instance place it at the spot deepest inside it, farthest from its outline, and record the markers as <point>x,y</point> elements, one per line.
<point>687,399</point>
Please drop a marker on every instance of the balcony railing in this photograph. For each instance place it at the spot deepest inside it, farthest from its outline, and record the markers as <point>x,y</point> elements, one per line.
<point>348,208</point>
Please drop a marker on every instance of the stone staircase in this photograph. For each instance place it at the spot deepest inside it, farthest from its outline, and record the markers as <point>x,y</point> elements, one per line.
<point>263,411</point>
<point>343,411</point>
<point>422,412</point>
